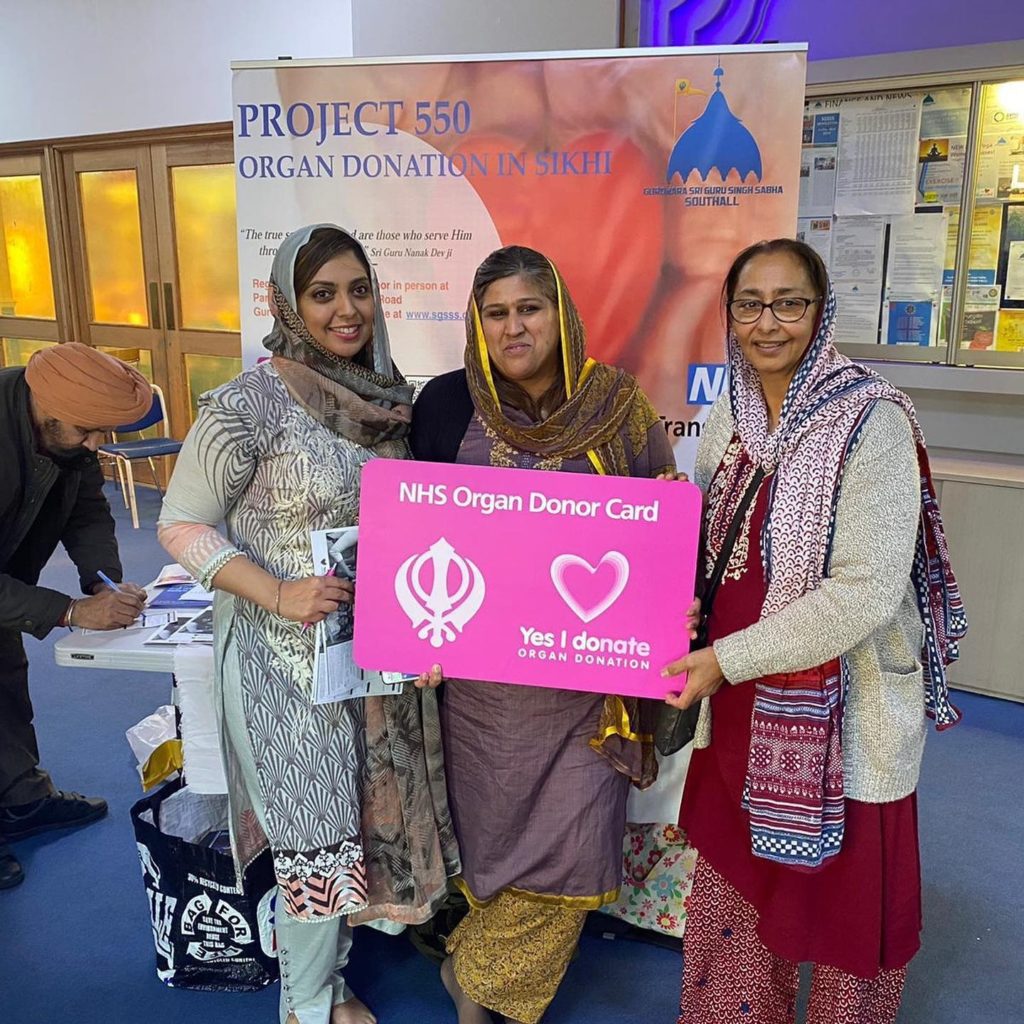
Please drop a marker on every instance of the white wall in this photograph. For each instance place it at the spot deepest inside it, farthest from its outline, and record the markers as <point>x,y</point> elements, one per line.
<point>85,67</point>
<point>82,67</point>
<point>400,27</point>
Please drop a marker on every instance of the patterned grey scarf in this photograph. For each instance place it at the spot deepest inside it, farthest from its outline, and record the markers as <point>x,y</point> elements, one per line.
<point>366,404</point>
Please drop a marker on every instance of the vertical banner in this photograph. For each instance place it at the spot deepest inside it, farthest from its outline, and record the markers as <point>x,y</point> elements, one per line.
<point>639,173</point>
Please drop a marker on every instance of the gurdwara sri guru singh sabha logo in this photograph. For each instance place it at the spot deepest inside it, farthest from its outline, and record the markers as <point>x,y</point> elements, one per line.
<point>716,159</point>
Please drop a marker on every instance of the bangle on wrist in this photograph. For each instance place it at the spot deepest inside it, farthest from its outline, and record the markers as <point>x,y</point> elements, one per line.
<point>277,600</point>
<point>70,612</point>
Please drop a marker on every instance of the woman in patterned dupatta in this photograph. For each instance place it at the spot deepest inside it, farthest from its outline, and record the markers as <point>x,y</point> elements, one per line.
<point>833,625</point>
<point>349,795</point>
<point>550,849</point>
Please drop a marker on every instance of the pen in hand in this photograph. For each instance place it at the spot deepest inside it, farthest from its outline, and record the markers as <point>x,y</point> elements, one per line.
<point>118,589</point>
<point>128,589</point>
<point>108,581</point>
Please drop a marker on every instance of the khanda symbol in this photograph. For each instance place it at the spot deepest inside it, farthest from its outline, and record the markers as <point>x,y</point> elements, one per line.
<point>437,611</point>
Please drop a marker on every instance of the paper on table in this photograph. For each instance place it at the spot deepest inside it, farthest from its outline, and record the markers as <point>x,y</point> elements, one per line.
<point>197,593</point>
<point>171,634</point>
<point>199,627</point>
<point>145,621</point>
<point>173,573</point>
<point>172,596</point>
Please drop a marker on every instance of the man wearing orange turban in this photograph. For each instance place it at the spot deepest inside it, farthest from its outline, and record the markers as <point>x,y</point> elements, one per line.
<point>53,415</point>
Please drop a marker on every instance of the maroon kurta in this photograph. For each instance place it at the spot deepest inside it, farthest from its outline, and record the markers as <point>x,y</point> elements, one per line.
<point>860,911</point>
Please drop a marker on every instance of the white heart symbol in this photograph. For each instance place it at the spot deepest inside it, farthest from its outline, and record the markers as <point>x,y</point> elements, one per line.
<point>615,559</point>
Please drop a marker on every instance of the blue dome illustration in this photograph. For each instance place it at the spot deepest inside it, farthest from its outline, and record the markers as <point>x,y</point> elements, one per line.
<point>717,140</point>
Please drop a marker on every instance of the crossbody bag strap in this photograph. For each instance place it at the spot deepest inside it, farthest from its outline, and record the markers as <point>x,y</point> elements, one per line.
<point>725,553</point>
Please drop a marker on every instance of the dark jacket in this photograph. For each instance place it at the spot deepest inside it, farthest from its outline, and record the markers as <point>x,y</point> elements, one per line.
<point>44,503</point>
<point>441,417</point>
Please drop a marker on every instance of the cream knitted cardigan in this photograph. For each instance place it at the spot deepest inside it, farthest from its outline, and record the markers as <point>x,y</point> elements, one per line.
<point>865,608</point>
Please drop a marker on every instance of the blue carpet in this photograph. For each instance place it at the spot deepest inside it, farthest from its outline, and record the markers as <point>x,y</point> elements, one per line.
<point>76,940</point>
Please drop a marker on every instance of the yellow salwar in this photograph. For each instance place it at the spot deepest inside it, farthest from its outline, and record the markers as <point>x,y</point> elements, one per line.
<point>510,954</point>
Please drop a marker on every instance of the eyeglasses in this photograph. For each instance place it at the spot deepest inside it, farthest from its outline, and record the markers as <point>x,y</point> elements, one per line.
<point>787,310</point>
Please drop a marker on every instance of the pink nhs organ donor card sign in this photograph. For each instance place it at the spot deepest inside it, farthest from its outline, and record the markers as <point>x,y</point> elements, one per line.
<point>563,580</point>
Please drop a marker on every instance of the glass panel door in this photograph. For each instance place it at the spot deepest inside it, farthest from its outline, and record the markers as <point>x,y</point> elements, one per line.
<point>156,264</point>
<point>30,306</point>
<point>18,351</point>
<point>205,247</point>
<point>115,266</point>
<point>26,282</point>
<point>194,185</point>
<point>113,247</point>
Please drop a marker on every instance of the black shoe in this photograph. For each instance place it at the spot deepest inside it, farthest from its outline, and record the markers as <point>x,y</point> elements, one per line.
<point>59,810</point>
<point>10,870</point>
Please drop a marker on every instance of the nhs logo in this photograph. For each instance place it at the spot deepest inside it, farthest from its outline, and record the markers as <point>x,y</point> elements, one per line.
<point>704,382</point>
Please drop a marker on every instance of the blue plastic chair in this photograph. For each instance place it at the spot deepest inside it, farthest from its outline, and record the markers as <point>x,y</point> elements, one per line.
<point>124,453</point>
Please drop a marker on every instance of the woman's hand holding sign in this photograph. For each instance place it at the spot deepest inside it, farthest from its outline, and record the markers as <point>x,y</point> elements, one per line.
<point>703,677</point>
<point>432,679</point>
<point>703,673</point>
<point>693,618</point>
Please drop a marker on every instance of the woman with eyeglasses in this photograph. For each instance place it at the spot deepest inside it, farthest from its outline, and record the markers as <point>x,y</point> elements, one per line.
<point>827,643</point>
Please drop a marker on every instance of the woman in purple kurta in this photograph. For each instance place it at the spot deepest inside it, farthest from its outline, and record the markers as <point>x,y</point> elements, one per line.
<point>537,778</point>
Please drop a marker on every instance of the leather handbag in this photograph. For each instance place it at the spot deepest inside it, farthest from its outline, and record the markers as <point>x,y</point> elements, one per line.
<point>675,727</point>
